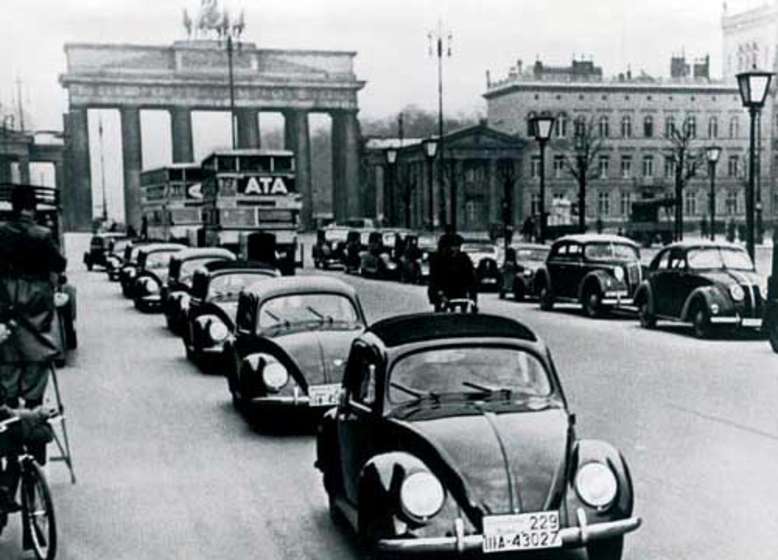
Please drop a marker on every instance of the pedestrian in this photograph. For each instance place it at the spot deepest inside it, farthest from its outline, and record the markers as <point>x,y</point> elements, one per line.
<point>30,264</point>
<point>452,275</point>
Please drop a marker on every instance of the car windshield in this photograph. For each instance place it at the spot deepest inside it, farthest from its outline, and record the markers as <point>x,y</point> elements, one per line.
<point>158,259</point>
<point>293,309</point>
<point>531,254</point>
<point>120,245</point>
<point>611,252</point>
<point>467,370</point>
<point>428,244</point>
<point>335,234</point>
<point>227,287</point>
<point>719,257</point>
<point>479,248</point>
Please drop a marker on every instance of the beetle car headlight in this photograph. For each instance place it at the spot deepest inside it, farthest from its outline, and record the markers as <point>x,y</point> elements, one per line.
<point>737,293</point>
<point>131,272</point>
<point>274,376</point>
<point>618,273</point>
<point>596,485</point>
<point>61,299</point>
<point>422,495</point>
<point>218,331</point>
<point>151,286</point>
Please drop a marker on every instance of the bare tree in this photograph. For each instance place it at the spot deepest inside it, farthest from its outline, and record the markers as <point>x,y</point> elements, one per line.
<point>686,160</point>
<point>587,144</point>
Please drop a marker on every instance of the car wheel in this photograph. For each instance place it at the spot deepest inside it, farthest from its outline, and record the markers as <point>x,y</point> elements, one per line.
<point>607,549</point>
<point>370,532</point>
<point>647,319</point>
<point>89,266</point>
<point>546,298</point>
<point>592,303</point>
<point>701,322</point>
<point>518,291</point>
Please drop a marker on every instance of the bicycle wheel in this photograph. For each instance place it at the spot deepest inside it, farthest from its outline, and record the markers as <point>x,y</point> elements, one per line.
<point>38,512</point>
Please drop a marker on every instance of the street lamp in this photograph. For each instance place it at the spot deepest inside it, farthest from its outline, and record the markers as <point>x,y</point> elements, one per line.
<point>753,85</point>
<point>391,160</point>
<point>232,32</point>
<point>581,155</point>
<point>712,153</point>
<point>541,128</point>
<point>442,42</point>
<point>430,146</point>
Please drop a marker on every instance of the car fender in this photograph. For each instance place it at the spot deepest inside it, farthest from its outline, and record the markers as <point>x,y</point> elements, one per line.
<point>598,278</point>
<point>541,276</point>
<point>264,345</point>
<point>643,293</point>
<point>380,481</point>
<point>327,451</point>
<point>195,321</point>
<point>588,451</point>
<point>709,295</point>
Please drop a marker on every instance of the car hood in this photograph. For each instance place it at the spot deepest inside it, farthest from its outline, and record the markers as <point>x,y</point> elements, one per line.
<point>478,257</point>
<point>320,354</point>
<point>535,445</point>
<point>727,277</point>
<point>229,307</point>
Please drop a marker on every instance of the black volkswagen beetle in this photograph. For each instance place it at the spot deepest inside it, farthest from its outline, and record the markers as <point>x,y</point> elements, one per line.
<point>356,244</point>
<point>522,261</point>
<point>453,435</point>
<point>330,244</point>
<point>128,269</point>
<point>210,309</point>
<point>102,247</point>
<point>291,342</point>
<point>484,256</point>
<point>175,292</point>
<point>151,275</point>
<point>377,260</point>
<point>708,284</point>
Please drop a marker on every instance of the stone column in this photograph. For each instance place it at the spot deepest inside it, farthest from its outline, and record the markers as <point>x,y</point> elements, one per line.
<point>133,163</point>
<point>495,196</point>
<point>181,134</point>
<point>5,170</point>
<point>345,159</point>
<point>77,190</point>
<point>459,184</point>
<point>59,175</point>
<point>24,170</point>
<point>299,141</point>
<point>248,128</point>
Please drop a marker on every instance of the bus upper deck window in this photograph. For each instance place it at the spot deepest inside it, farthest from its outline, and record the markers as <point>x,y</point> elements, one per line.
<point>281,163</point>
<point>227,163</point>
<point>255,163</point>
<point>176,175</point>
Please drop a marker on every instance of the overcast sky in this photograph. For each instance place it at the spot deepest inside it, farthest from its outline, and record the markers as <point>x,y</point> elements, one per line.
<point>390,37</point>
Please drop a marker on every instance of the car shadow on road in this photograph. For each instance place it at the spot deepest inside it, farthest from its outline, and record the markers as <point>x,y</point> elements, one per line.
<point>719,335</point>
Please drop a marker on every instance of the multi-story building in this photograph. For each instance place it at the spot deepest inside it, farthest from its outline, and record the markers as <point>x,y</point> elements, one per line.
<point>633,115</point>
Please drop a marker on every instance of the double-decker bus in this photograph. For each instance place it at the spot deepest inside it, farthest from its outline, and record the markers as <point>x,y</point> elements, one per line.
<point>171,202</point>
<point>252,190</point>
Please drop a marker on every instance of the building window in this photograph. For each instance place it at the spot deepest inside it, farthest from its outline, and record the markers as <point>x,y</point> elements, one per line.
<point>602,167</point>
<point>535,204</point>
<point>534,167</point>
<point>580,126</point>
<point>691,126</point>
<point>648,166</point>
<point>603,203</point>
<point>471,211</point>
<point>626,126</point>
<point>669,167</point>
<point>559,166</point>
<point>604,127</point>
<point>734,127</point>
<point>731,202</point>
<point>626,167</point>
<point>669,126</point>
<point>625,203</point>
<point>732,166</point>
<point>530,124</point>
<point>713,127</point>
<point>560,126</point>
<point>690,203</point>
<point>648,126</point>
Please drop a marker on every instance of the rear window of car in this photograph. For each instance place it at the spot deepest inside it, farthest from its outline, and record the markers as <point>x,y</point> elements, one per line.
<point>611,251</point>
<point>531,254</point>
<point>335,234</point>
<point>479,248</point>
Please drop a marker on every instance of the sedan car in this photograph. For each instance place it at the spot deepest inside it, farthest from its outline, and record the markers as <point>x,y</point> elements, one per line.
<point>210,309</point>
<point>291,343</point>
<point>377,261</point>
<point>328,249</point>
<point>101,247</point>
<point>522,261</point>
<point>129,266</point>
<point>356,243</point>
<point>599,271</point>
<point>151,275</point>
<point>484,256</point>
<point>414,262</point>
<point>453,435</point>
<point>705,283</point>
<point>176,291</point>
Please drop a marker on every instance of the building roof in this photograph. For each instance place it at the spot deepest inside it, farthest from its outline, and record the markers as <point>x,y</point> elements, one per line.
<point>383,143</point>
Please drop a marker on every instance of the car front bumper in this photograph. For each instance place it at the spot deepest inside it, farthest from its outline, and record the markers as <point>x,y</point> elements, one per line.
<point>617,298</point>
<point>737,320</point>
<point>572,537</point>
<point>151,302</point>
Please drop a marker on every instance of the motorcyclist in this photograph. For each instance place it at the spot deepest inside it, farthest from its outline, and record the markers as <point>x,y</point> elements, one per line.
<point>452,275</point>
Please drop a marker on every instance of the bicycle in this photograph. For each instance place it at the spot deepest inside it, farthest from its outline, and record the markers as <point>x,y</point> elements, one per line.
<point>456,305</point>
<point>39,528</point>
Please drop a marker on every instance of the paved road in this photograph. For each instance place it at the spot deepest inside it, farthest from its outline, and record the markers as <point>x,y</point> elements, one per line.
<point>167,469</point>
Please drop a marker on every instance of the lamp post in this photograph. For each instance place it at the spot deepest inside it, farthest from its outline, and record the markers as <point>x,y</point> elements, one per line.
<point>391,160</point>
<point>541,129</point>
<point>438,38</point>
<point>712,153</point>
<point>581,155</point>
<point>430,146</point>
<point>753,85</point>
<point>232,33</point>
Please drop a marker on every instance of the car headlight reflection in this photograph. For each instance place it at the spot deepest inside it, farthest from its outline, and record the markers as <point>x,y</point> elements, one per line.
<point>422,495</point>
<point>274,376</point>
<point>596,485</point>
<point>737,293</point>
<point>218,331</point>
<point>618,273</point>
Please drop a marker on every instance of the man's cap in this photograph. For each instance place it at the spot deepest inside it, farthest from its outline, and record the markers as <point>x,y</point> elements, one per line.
<point>450,240</point>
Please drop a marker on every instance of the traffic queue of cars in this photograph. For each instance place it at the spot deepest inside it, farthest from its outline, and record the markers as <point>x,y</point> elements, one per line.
<point>436,433</point>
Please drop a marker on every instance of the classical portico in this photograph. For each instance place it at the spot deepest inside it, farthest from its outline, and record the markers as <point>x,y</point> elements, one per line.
<point>193,76</point>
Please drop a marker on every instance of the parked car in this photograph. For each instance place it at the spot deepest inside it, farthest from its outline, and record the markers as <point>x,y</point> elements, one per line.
<point>176,291</point>
<point>521,262</point>
<point>377,261</point>
<point>599,271</point>
<point>151,275</point>
<point>114,260</point>
<point>484,255</point>
<point>359,223</point>
<point>210,312</point>
<point>706,283</point>
<point>129,266</point>
<point>101,247</point>
<point>330,244</point>
<point>436,409</point>
<point>356,244</point>
<point>291,344</point>
<point>414,263</point>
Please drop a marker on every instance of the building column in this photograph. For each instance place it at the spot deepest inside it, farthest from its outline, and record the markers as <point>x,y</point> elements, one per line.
<point>459,185</point>
<point>24,170</point>
<point>5,170</point>
<point>495,196</point>
<point>346,199</point>
<point>77,190</point>
<point>181,134</point>
<point>298,140</point>
<point>248,128</point>
<point>133,163</point>
<point>59,175</point>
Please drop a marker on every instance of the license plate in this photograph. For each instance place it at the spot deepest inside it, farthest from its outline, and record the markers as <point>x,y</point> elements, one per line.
<point>489,280</point>
<point>750,322</point>
<point>323,395</point>
<point>523,531</point>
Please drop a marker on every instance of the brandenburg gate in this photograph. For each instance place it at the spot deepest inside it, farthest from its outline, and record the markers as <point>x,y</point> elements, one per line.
<point>192,75</point>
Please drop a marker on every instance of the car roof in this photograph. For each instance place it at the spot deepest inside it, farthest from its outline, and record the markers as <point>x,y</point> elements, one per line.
<point>537,246</point>
<point>596,237</point>
<point>202,252</point>
<point>217,266</point>
<point>284,285</point>
<point>111,235</point>
<point>154,247</point>
<point>701,243</point>
<point>418,327</point>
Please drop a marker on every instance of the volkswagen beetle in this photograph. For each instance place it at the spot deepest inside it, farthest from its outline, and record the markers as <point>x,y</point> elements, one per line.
<point>151,275</point>
<point>127,269</point>
<point>102,247</point>
<point>522,261</point>
<point>484,256</point>
<point>453,435</point>
<point>291,343</point>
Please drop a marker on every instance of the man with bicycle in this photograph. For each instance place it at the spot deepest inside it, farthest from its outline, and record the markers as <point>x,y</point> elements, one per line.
<point>452,275</point>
